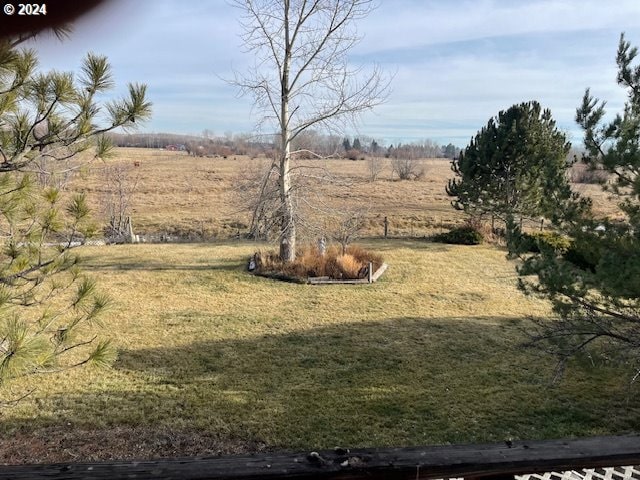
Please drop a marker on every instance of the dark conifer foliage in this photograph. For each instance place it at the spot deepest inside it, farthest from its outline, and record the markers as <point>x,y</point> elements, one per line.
<point>514,167</point>
<point>595,285</point>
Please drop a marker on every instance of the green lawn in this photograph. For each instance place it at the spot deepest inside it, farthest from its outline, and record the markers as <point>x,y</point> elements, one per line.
<point>430,354</point>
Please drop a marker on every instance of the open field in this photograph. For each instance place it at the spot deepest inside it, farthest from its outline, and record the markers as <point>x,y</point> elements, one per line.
<point>197,198</point>
<point>186,195</point>
<point>215,360</point>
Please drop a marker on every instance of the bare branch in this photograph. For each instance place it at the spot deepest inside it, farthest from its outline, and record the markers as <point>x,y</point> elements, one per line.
<point>307,41</point>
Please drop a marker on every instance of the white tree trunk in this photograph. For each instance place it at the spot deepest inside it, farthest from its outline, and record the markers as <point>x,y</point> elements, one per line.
<point>287,227</point>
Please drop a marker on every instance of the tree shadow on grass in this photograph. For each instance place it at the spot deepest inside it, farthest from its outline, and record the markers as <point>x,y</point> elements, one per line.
<point>406,381</point>
<point>111,263</point>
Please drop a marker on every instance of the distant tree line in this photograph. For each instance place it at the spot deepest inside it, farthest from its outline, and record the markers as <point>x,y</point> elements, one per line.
<point>203,145</point>
<point>309,144</point>
<point>418,149</point>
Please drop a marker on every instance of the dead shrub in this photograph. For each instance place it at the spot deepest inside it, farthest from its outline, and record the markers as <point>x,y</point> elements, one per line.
<point>332,269</point>
<point>483,225</point>
<point>375,166</point>
<point>407,168</point>
<point>267,261</point>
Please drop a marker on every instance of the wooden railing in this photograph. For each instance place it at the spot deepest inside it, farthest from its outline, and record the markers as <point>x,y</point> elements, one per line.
<point>493,461</point>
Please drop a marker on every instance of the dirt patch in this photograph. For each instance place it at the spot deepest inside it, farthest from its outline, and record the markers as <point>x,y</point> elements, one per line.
<point>63,445</point>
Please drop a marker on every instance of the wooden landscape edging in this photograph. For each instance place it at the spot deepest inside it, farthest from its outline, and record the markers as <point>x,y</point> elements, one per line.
<point>325,280</point>
<point>282,277</point>
<point>379,272</point>
<point>490,461</point>
<point>332,281</point>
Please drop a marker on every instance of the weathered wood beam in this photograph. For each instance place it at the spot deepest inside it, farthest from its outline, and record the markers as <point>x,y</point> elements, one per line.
<point>470,461</point>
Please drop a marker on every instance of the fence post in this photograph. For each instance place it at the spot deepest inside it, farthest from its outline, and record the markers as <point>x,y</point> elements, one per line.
<point>129,236</point>
<point>370,272</point>
<point>541,224</point>
<point>386,227</point>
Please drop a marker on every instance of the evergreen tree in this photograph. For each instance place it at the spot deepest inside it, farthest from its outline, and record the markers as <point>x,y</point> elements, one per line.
<point>346,144</point>
<point>374,147</point>
<point>48,307</point>
<point>595,285</point>
<point>356,144</point>
<point>449,151</point>
<point>514,167</point>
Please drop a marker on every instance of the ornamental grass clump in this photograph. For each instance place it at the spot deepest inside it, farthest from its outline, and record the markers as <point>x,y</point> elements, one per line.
<point>310,262</point>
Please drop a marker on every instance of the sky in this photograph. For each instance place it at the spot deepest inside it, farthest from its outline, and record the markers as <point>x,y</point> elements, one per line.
<point>454,63</point>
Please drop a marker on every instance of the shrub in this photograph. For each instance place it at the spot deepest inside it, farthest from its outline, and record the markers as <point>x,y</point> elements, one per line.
<point>547,240</point>
<point>352,154</point>
<point>266,261</point>
<point>342,266</point>
<point>407,168</point>
<point>580,254</point>
<point>332,269</point>
<point>309,263</point>
<point>349,265</point>
<point>460,236</point>
<point>584,256</point>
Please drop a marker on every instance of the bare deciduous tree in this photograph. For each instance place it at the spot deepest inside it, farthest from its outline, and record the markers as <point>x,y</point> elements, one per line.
<point>375,166</point>
<point>301,79</point>
<point>256,191</point>
<point>121,185</point>
<point>347,226</point>
<point>406,165</point>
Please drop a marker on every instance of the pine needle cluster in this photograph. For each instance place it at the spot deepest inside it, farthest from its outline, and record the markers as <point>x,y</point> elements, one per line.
<point>49,309</point>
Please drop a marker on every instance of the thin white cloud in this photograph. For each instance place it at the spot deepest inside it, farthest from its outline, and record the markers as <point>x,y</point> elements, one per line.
<point>457,62</point>
<point>407,23</point>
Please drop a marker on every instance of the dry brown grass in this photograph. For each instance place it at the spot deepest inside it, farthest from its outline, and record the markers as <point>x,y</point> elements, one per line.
<point>196,197</point>
<point>349,265</point>
<point>309,262</point>
<point>580,173</point>
<point>365,256</point>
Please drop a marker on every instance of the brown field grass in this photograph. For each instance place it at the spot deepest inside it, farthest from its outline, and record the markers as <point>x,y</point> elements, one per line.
<point>180,194</point>
<point>196,197</point>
